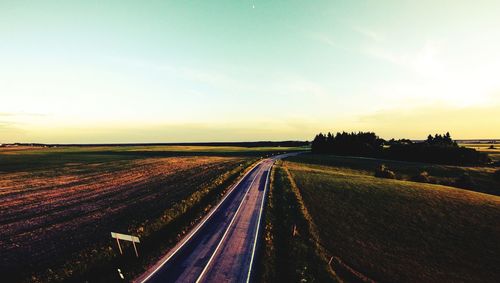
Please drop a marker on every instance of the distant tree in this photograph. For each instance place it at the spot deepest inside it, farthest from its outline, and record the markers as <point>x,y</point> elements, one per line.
<point>441,140</point>
<point>429,139</point>
<point>329,138</point>
<point>447,137</point>
<point>319,144</point>
<point>361,143</point>
<point>439,148</point>
<point>400,141</point>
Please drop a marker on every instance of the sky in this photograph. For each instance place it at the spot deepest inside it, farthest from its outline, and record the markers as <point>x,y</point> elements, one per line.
<point>193,71</point>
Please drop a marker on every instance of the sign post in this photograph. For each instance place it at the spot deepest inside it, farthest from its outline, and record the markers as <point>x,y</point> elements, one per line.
<point>125,237</point>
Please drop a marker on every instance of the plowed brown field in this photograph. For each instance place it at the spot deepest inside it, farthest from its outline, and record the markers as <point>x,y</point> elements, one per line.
<point>48,212</point>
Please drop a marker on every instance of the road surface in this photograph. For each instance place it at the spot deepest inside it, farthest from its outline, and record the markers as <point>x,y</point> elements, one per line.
<point>222,247</point>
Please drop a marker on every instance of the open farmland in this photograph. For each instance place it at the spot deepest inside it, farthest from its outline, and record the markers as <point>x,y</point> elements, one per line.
<point>493,153</point>
<point>58,205</point>
<point>482,178</point>
<point>383,229</point>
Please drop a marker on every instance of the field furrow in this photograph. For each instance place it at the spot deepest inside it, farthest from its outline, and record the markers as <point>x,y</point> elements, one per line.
<point>49,213</point>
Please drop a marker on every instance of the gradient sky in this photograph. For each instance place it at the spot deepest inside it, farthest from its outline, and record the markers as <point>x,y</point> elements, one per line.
<point>169,71</point>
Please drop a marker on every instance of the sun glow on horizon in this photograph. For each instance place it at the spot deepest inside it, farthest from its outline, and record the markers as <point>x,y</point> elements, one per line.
<point>177,71</point>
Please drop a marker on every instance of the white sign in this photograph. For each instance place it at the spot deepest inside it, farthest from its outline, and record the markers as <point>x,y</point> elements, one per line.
<point>125,237</point>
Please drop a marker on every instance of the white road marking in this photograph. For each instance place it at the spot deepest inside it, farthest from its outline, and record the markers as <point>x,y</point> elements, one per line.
<point>225,232</point>
<point>258,224</point>
<point>201,224</point>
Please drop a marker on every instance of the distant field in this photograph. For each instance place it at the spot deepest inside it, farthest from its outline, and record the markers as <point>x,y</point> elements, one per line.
<point>396,230</point>
<point>58,205</point>
<point>482,178</point>
<point>494,153</point>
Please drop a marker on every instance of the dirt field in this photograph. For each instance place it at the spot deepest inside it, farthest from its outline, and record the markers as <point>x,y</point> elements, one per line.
<point>57,202</point>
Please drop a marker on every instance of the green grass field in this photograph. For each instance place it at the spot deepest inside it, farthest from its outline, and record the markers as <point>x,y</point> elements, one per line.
<point>482,178</point>
<point>395,230</point>
<point>493,153</point>
<point>58,205</point>
<point>287,256</point>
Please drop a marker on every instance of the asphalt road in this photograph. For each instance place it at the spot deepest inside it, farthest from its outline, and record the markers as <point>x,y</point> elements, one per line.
<point>222,247</point>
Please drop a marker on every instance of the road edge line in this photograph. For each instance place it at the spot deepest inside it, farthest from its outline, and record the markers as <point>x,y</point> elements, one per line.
<point>258,223</point>
<point>225,232</point>
<point>193,232</point>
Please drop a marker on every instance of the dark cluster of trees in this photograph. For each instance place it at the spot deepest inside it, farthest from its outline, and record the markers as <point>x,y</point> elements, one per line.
<point>360,144</point>
<point>441,140</point>
<point>436,149</point>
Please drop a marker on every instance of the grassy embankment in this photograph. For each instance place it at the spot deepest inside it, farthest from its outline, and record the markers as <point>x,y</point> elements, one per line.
<point>482,178</point>
<point>290,250</point>
<point>389,230</point>
<point>58,205</point>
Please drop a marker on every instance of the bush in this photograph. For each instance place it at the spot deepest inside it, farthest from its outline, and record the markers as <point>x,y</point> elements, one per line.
<point>423,177</point>
<point>465,181</point>
<point>383,172</point>
<point>491,147</point>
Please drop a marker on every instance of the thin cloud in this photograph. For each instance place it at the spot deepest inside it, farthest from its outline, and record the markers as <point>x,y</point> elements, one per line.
<point>327,40</point>
<point>17,114</point>
<point>296,85</point>
<point>209,77</point>
<point>368,33</point>
<point>323,38</point>
<point>425,61</point>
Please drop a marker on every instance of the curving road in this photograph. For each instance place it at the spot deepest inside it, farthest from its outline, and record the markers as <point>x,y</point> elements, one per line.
<point>222,247</point>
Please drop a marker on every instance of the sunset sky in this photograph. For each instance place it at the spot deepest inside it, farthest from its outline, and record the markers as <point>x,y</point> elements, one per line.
<point>172,71</point>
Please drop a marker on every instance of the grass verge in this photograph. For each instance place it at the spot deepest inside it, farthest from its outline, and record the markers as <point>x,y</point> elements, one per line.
<point>289,252</point>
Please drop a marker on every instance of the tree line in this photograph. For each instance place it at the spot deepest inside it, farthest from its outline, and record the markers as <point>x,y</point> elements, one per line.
<point>441,149</point>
